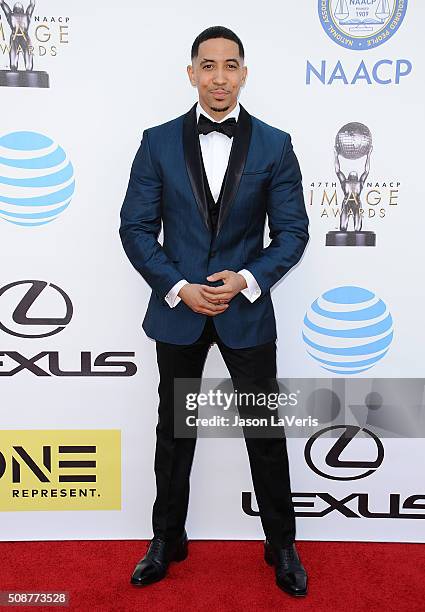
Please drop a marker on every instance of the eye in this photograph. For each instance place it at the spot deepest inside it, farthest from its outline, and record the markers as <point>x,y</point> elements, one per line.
<point>207,66</point>
<point>231,66</point>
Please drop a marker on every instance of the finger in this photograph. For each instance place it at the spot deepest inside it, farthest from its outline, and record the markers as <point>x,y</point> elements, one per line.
<point>218,301</point>
<point>210,297</point>
<point>214,291</point>
<point>217,275</point>
<point>210,305</point>
<point>220,296</point>
<point>208,311</point>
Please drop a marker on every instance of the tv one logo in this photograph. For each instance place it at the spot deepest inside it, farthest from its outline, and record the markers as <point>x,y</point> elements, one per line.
<point>60,469</point>
<point>360,25</point>
<point>36,309</point>
<point>326,460</point>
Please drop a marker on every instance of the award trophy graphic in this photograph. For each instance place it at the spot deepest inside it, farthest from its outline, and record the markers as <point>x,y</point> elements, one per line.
<point>353,141</point>
<point>20,46</point>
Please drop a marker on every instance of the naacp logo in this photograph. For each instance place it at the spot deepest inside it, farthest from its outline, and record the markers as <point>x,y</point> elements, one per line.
<point>361,24</point>
<point>347,330</point>
<point>15,309</point>
<point>333,463</point>
<point>36,179</point>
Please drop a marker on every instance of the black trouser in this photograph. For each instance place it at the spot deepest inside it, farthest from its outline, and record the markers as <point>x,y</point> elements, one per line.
<point>173,457</point>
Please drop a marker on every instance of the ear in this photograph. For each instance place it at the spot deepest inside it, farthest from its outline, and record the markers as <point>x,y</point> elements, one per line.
<point>191,75</point>
<point>244,75</point>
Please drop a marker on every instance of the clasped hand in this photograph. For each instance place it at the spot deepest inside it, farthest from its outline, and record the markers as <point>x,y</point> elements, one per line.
<point>213,300</point>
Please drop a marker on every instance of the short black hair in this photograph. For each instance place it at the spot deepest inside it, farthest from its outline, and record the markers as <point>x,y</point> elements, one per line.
<point>216,32</point>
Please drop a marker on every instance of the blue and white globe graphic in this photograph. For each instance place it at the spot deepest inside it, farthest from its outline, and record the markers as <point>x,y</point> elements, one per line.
<point>36,179</point>
<point>347,330</point>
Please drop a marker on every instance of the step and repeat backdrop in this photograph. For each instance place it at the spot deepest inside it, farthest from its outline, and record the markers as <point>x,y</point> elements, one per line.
<point>79,82</point>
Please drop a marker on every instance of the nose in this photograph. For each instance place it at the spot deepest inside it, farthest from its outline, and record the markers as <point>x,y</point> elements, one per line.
<point>219,76</point>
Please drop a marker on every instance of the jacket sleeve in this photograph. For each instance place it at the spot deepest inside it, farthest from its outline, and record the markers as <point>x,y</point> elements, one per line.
<point>141,223</point>
<point>288,222</point>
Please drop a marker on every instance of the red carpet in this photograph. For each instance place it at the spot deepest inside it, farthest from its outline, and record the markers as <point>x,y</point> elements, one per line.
<point>218,576</point>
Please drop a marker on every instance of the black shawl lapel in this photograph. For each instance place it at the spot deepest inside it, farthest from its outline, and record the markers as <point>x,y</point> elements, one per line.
<point>237,159</point>
<point>192,153</point>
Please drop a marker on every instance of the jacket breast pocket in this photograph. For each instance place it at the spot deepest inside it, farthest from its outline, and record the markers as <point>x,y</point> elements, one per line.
<point>254,172</point>
<point>253,184</point>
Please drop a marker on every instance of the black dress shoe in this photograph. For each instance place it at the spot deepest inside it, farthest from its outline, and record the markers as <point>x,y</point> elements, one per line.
<point>291,576</point>
<point>154,565</point>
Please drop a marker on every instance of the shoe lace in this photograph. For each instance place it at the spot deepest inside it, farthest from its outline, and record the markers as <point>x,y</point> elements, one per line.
<point>155,546</point>
<point>289,553</point>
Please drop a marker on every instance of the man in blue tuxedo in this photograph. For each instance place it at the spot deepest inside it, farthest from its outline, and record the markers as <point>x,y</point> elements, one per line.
<point>210,177</point>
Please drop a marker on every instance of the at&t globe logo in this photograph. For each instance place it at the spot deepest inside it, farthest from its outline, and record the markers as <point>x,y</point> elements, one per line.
<point>36,179</point>
<point>347,330</point>
<point>361,24</point>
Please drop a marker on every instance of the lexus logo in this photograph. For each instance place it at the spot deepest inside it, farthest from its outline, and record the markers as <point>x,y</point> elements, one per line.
<point>51,300</point>
<point>354,469</point>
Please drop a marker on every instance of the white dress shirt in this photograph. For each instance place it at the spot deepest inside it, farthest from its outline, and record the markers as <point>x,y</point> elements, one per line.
<point>215,149</point>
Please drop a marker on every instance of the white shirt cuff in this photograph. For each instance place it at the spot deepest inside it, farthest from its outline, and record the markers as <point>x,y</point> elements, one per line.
<point>252,291</point>
<point>172,298</point>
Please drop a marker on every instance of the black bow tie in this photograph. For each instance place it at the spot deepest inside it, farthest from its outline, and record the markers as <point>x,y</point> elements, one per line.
<point>205,126</point>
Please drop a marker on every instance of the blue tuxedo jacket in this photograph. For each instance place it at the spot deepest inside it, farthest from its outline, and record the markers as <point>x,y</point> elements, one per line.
<point>166,185</point>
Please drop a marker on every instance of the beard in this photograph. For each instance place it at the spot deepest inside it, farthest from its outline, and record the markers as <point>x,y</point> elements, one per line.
<point>219,110</point>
